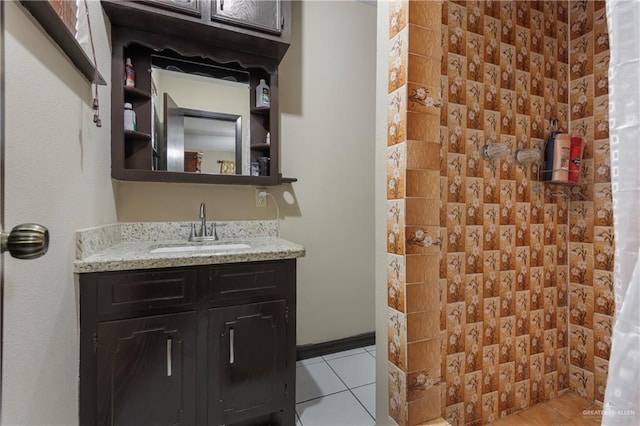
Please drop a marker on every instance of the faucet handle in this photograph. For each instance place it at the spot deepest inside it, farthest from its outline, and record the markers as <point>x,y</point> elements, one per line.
<point>214,229</point>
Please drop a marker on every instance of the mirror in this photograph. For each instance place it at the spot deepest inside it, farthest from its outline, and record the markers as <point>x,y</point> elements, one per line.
<point>200,117</point>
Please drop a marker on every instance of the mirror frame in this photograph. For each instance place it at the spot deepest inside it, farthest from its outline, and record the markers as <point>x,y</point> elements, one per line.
<point>187,47</point>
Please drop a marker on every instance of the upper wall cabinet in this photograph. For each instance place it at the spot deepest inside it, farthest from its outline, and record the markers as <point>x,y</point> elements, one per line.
<point>264,15</point>
<point>190,7</point>
<point>198,65</point>
<point>255,27</point>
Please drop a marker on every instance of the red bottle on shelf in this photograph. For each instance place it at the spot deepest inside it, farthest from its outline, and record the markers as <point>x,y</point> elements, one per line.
<point>575,158</point>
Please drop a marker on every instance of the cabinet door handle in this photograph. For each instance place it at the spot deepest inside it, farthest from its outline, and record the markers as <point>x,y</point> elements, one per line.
<point>169,361</point>
<point>221,5</point>
<point>231,347</point>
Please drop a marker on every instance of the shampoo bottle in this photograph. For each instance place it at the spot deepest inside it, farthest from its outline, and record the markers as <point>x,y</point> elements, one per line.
<point>575,158</point>
<point>129,74</point>
<point>262,95</point>
<point>561,151</point>
<point>548,152</point>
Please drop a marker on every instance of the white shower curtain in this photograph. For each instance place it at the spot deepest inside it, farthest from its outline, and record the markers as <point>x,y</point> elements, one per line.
<point>622,397</point>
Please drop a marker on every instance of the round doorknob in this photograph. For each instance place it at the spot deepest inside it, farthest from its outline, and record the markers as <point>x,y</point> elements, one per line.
<point>26,241</point>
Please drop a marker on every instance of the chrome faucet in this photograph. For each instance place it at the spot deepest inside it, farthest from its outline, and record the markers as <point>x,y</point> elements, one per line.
<point>204,234</point>
<point>203,220</point>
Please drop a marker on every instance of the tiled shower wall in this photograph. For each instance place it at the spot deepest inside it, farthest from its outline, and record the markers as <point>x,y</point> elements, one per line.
<point>591,247</point>
<point>504,265</point>
<point>413,207</point>
<point>487,238</point>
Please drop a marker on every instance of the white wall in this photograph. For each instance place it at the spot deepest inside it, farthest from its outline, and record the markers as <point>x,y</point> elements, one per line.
<point>328,143</point>
<point>327,104</point>
<point>382,70</point>
<point>57,174</point>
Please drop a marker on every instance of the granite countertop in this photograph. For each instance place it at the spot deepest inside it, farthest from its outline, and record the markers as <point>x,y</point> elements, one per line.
<point>120,247</point>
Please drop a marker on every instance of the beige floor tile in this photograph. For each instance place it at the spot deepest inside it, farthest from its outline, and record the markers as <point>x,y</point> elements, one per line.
<point>541,415</point>
<point>570,404</point>
<point>513,420</point>
<point>579,421</point>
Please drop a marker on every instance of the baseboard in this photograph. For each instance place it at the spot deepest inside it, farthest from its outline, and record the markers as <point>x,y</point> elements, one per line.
<point>318,349</point>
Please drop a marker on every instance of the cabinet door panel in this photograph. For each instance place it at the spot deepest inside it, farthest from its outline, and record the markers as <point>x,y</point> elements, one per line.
<point>260,14</point>
<point>147,371</point>
<point>247,361</point>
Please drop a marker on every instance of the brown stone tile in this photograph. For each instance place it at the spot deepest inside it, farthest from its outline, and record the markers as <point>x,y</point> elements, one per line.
<point>513,420</point>
<point>397,380</point>
<point>423,296</point>
<point>570,404</point>
<point>397,17</point>
<point>424,409</point>
<point>397,338</point>
<point>422,239</point>
<point>423,325</point>
<point>422,211</point>
<point>424,42</point>
<point>579,421</point>
<point>437,422</point>
<point>423,70</point>
<point>541,415</point>
<point>422,268</point>
<point>423,183</point>
<point>426,14</point>
<point>423,383</point>
<point>423,98</point>
<point>423,126</point>
<point>423,355</point>
<point>423,155</point>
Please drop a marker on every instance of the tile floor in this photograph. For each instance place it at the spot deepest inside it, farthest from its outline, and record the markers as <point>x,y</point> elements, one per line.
<point>568,409</point>
<point>337,389</point>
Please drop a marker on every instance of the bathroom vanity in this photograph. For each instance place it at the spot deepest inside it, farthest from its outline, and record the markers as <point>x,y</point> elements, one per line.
<point>177,333</point>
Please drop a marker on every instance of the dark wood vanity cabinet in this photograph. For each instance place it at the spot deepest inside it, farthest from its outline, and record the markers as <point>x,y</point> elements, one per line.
<point>202,345</point>
<point>146,370</point>
<point>248,349</point>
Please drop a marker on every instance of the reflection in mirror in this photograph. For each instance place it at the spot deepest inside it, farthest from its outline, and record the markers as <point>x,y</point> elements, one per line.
<point>200,117</point>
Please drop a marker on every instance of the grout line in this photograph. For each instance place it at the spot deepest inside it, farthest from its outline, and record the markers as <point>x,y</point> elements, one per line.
<point>322,396</point>
<point>362,405</point>
<point>349,388</point>
<point>343,382</point>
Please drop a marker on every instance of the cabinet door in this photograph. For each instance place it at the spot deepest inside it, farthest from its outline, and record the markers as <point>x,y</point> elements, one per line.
<point>264,15</point>
<point>247,361</point>
<point>189,7</point>
<point>146,371</point>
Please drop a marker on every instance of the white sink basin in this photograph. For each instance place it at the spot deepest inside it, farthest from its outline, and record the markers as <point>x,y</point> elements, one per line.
<point>212,247</point>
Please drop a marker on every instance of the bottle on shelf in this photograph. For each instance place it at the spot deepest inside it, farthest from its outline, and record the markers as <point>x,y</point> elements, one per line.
<point>561,152</point>
<point>549,146</point>
<point>129,118</point>
<point>129,74</point>
<point>575,158</point>
<point>263,95</point>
